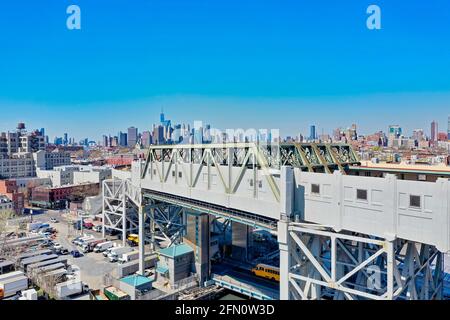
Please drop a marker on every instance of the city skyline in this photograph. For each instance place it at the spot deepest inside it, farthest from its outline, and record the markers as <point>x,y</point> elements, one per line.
<point>115,123</point>
<point>286,67</point>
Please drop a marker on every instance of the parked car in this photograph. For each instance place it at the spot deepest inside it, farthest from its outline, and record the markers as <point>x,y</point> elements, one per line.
<point>64,251</point>
<point>88,225</point>
<point>47,243</point>
<point>75,253</point>
<point>74,241</point>
<point>54,220</point>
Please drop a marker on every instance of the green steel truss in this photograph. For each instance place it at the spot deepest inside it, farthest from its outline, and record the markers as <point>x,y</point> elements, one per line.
<point>311,157</point>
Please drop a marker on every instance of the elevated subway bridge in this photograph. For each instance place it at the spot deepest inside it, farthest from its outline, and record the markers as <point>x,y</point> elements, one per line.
<point>359,224</point>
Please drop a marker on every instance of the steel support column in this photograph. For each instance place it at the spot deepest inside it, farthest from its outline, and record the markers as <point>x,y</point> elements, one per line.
<point>323,264</point>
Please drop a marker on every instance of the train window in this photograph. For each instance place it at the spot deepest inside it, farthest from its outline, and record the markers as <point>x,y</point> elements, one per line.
<point>414,201</point>
<point>361,194</point>
<point>315,188</point>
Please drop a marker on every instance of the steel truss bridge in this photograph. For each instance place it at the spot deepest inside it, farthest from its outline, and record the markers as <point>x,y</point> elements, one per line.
<point>340,236</point>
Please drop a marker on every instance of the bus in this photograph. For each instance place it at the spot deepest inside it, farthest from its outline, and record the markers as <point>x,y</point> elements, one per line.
<point>267,271</point>
<point>133,239</point>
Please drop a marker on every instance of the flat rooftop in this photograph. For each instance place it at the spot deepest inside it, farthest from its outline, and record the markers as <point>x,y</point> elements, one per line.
<point>439,169</point>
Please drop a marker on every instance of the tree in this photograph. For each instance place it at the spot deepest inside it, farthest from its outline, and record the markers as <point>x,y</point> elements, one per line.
<point>4,217</point>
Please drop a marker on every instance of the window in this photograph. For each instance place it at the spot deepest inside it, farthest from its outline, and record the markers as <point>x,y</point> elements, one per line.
<point>173,174</point>
<point>361,194</point>
<point>414,201</point>
<point>422,177</point>
<point>315,188</point>
<point>179,174</point>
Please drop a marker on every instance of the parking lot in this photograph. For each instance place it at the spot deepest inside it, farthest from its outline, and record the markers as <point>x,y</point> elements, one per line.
<point>93,266</point>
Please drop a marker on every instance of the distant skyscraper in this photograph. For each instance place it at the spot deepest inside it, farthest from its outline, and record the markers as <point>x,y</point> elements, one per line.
<point>66,141</point>
<point>165,123</point>
<point>395,131</point>
<point>159,135</point>
<point>105,141</point>
<point>434,131</point>
<point>312,132</point>
<point>146,138</point>
<point>448,128</point>
<point>123,139</point>
<point>132,136</point>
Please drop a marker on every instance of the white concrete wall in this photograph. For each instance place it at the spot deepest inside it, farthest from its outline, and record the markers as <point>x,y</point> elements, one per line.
<point>387,211</point>
<point>120,174</point>
<point>262,201</point>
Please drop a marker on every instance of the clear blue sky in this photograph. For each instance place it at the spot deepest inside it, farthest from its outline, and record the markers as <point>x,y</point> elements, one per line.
<point>233,63</point>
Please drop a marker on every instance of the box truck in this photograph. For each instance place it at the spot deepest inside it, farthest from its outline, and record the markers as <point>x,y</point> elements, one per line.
<point>114,255</point>
<point>69,288</point>
<point>108,251</point>
<point>89,245</point>
<point>128,256</point>
<point>12,286</point>
<point>100,247</point>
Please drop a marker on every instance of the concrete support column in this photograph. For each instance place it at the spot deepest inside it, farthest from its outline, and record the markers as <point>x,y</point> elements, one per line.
<point>390,269</point>
<point>141,241</point>
<point>239,241</point>
<point>285,259</point>
<point>103,210</point>
<point>124,216</point>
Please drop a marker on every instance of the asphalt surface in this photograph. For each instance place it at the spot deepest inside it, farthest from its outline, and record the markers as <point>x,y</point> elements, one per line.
<point>93,266</point>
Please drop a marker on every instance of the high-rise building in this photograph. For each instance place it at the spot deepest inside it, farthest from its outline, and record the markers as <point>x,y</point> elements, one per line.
<point>132,136</point>
<point>448,128</point>
<point>21,141</point>
<point>123,139</point>
<point>158,134</point>
<point>434,131</point>
<point>395,131</point>
<point>146,139</point>
<point>105,142</point>
<point>312,132</point>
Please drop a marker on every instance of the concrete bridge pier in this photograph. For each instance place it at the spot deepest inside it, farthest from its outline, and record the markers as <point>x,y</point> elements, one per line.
<point>197,235</point>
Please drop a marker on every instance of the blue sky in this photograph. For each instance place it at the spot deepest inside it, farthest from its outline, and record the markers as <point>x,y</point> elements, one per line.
<point>263,64</point>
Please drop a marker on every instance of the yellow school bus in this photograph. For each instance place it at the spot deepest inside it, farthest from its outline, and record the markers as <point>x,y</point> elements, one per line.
<point>133,239</point>
<point>267,271</point>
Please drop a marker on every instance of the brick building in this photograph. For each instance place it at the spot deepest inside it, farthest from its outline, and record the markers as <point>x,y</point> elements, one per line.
<point>10,189</point>
<point>58,197</point>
